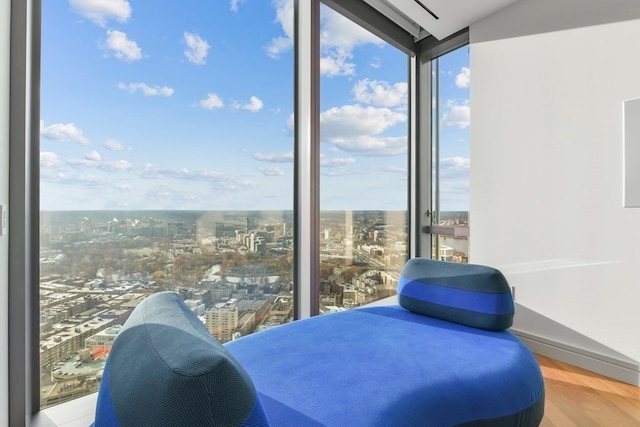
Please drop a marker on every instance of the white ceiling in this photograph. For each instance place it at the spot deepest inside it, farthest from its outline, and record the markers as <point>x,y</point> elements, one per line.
<point>452,15</point>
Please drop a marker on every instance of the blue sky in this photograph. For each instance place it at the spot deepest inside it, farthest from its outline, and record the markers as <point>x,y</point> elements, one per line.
<point>154,105</point>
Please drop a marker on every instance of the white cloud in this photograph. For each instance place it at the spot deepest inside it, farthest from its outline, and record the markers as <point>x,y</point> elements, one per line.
<point>381,93</point>
<point>110,178</point>
<point>119,165</point>
<point>287,157</point>
<point>100,11</point>
<point>457,115</point>
<point>235,4</point>
<point>50,175</point>
<point>272,171</point>
<point>284,16</point>
<point>93,156</point>
<point>274,157</point>
<point>197,48</point>
<point>335,63</point>
<point>454,187</point>
<point>91,180</point>
<point>124,186</point>
<point>357,129</point>
<point>146,89</point>
<point>373,146</point>
<point>94,160</point>
<point>254,105</point>
<point>220,181</point>
<point>89,160</point>
<point>336,162</point>
<point>113,145</point>
<point>211,101</point>
<point>278,46</point>
<point>63,132</point>
<point>355,120</point>
<point>450,164</point>
<point>121,47</point>
<point>339,31</point>
<point>82,179</point>
<point>49,160</point>
<point>339,36</point>
<point>336,172</point>
<point>463,79</point>
<point>401,170</point>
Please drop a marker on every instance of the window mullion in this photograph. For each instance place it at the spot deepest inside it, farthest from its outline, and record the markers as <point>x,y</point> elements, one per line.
<point>307,158</point>
<point>23,212</point>
<point>424,161</point>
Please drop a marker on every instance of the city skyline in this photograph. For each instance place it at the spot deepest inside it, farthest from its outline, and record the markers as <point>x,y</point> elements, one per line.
<point>165,107</point>
<point>234,269</point>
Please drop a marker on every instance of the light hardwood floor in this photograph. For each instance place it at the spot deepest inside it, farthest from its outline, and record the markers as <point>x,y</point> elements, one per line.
<point>576,397</point>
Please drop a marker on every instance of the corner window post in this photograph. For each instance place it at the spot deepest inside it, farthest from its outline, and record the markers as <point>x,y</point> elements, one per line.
<point>24,129</point>
<point>306,158</point>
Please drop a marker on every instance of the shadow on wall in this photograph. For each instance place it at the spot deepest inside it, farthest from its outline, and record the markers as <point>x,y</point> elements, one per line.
<point>528,17</point>
<point>569,341</point>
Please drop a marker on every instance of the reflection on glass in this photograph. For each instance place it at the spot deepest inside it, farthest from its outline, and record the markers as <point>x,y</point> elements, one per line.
<point>451,80</point>
<point>166,165</point>
<point>363,185</point>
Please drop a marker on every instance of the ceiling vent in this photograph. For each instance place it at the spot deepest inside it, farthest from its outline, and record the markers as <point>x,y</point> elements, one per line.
<point>441,18</point>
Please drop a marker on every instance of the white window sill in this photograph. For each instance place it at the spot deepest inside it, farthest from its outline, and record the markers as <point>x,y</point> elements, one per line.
<point>76,413</point>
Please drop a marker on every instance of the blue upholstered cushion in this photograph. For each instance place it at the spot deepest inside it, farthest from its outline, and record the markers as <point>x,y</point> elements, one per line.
<point>386,366</point>
<point>165,369</point>
<point>469,294</point>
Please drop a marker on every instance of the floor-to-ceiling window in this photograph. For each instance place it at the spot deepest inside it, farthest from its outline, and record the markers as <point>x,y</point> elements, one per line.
<point>451,77</point>
<point>166,159</point>
<point>363,161</point>
<point>166,164</point>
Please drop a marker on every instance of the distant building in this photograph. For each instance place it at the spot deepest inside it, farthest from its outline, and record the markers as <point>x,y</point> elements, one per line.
<point>353,296</point>
<point>445,253</point>
<point>103,339</point>
<point>196,305</point>
<point>222,291</point>
<point>222,320</point>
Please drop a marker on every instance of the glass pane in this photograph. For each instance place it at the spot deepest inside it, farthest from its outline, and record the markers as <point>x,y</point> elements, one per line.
<point>166,165</point>
<point>451,149</point>
<point>363,195</point>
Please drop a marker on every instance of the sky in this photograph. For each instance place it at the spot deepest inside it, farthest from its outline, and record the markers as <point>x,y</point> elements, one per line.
<point>149,105</point>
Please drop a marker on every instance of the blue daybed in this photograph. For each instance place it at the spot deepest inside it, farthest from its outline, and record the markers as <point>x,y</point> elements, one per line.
<point>442,357</point>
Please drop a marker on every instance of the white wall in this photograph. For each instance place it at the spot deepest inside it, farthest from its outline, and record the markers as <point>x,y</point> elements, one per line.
<point>5,16</point>
<point>548,85</point>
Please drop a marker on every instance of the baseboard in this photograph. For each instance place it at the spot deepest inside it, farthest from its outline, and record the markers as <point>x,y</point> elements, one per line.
<point>620,370</point>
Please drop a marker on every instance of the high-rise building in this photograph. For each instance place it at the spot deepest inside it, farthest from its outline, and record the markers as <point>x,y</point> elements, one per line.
<point>222,320</point>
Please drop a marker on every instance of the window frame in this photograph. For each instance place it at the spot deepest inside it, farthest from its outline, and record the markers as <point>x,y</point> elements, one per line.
<point>24,174</point>
<point>24,210</point>
<point>428,50</point>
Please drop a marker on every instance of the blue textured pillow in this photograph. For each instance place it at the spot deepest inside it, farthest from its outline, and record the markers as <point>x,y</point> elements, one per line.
<point>165,369</point>
<point>469,294</point>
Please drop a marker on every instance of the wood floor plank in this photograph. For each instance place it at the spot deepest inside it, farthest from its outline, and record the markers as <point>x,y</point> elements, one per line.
<point>553,412</point>
<point>577,397</point>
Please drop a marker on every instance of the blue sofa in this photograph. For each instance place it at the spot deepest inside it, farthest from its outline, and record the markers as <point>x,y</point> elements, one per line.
<point>442,357</point>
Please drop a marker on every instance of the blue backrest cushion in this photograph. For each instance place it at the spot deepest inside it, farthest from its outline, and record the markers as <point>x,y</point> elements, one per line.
<point>166,369</point>
<point>468,294</point>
